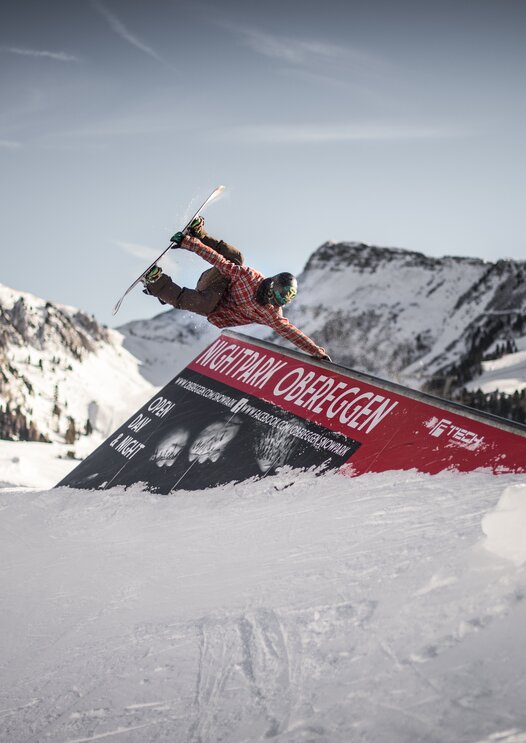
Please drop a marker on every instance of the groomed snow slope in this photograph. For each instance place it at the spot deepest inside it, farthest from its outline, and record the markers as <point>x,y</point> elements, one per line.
<point>295,608</point>
<point>506,374</point>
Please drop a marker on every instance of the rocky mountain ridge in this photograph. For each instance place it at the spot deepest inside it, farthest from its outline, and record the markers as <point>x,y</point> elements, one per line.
<point>427,322</point>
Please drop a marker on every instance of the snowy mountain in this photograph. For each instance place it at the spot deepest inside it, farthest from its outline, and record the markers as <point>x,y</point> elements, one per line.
<point>61,373</point>
<point>166,343</point>
<point>409,317</point>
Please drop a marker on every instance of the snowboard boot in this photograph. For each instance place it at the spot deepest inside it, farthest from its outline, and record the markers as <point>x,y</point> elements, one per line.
<point>150,279</point>
<point>197,228</point>
<point>152,275</point>
<point>160,285</point>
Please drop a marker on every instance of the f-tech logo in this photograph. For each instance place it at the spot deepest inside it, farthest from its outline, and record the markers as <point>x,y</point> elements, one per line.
<point>455,434</point>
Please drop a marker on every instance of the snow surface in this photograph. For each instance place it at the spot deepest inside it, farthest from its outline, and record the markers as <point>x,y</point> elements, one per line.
<point>35,465</point>
<point>506,374</point>
<point>388,607</point>
<point>505,527</point>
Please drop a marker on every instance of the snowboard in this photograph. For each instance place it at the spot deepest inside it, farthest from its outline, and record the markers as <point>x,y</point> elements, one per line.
<point>215,193</point>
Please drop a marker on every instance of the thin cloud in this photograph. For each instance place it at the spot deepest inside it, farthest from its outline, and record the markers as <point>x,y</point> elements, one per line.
<point>144,253</point>
<point>366,74</point>
<point>130,124</point>
<point>287,49</point>
<point>120,29</point>
<point>9,144</point>
<point>302,52</point>
<point>57,56</point>
<point>136,250</point>
<point>350,84</point>
<point>330,133</point>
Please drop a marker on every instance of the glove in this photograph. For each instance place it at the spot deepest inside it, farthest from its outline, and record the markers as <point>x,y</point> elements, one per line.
<point>323,355</point>
<point>177,239</point>
<point>197,227</point>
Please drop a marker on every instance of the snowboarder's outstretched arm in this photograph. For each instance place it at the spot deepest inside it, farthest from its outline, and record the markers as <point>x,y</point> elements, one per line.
<point>293,334</point>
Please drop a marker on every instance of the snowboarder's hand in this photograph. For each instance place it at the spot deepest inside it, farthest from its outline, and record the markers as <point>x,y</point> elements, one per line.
<point>177,239</point>
<point>323,355</point>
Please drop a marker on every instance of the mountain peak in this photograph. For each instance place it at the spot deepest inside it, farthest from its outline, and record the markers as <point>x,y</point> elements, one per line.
<point>362,256</point>
<point>407,316</point>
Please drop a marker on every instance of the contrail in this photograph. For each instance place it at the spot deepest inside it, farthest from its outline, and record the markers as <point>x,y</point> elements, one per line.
<point>59,56</point>
<point>121,30</point>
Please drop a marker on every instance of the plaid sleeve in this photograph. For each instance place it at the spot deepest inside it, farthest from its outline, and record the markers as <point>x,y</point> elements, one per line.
<point>289,331</point>
<point>227,268</point>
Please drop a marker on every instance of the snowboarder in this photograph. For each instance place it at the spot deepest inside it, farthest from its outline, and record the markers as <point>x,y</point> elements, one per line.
<point>230,293</point>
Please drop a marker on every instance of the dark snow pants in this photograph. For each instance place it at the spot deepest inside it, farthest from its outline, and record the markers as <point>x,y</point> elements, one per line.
<point>209,289</point>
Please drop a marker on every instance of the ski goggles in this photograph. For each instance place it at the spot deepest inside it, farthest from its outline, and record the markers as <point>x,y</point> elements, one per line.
<point>284,296</point>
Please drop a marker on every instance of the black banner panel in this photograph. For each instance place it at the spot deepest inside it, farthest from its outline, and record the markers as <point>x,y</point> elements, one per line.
<point>198,433</point>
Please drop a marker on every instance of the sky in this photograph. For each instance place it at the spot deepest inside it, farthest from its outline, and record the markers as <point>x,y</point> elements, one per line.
<point>392,123</point>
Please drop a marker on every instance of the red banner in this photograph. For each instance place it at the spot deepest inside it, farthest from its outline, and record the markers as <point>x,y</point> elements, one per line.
<point>397,428</point>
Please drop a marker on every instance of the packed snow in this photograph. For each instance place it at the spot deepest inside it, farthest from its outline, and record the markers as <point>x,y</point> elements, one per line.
<point>506,374</point>
<point>35,465</point>
<point>387,607</point>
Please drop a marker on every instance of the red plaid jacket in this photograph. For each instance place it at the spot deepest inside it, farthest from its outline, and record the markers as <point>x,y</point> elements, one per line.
<point>238,305</point>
